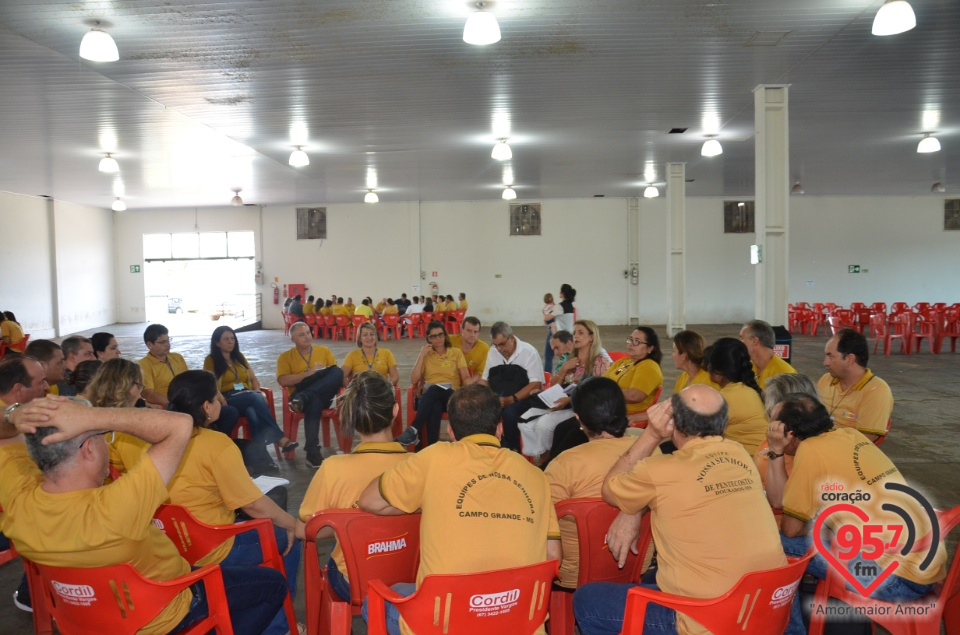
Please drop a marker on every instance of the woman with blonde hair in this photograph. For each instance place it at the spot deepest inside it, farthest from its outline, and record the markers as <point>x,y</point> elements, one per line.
<point>118,384</point>
<point>367,407</point>
<point>688,358</point>
<point>369,356</point>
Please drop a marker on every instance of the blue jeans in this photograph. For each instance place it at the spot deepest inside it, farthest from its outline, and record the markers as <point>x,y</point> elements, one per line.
<point>227,421</point>
<point>430,409</point>
<point>599,608</point>
<point>252,405</point>
<point>892,589</point>
<point>317,397</point>
<point>338,583</point>
<point>393,615</point>
<point>246,553</point>
<point>254,595</point>
<point>548,352</point>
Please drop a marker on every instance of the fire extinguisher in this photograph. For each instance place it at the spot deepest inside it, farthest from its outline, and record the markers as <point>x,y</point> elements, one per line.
<point>276,293</point>
<point>285,291</point>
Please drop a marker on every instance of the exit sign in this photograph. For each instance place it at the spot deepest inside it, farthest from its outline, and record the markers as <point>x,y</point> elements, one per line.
<point>853,269</point>
<point>134,268</point>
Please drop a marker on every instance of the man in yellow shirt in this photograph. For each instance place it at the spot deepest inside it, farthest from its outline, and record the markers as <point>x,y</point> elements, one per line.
<point>339,308</point>
<point>351,307</point>
<point>854,396</point>
<point>364,309</point>
<point>710,520</point>
<point>50,357</point>
<point>759,338</point>
<point>464,305</point>
<point>94,525</point>
<point>829,461</point>
<point>309,308</point>
<point>483,507</point>
<point>313,377</point>
<point>76,349</point>
<point>474,349</point>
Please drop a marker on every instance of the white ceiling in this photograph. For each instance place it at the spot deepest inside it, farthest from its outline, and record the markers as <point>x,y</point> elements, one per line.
<point>205,95</point>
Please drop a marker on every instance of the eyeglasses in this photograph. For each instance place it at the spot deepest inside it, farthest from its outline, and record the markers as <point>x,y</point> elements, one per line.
<point>634,342</point>
<point>501,345</point>
<point>435,336</point>
<point>163,342</point>
<point>107,436</point>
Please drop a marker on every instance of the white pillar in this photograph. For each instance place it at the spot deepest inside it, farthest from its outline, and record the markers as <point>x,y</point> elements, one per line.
<point>633,253</point>
<point>771,115</point>
<point>676,247</point>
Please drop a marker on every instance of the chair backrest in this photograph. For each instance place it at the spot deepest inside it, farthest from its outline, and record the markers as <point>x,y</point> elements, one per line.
<point>7,555</point>
<point>856,306</point>
<point>759,603</point>
<point>426,316</point>
<point>329,320</point>
<point>195,539</point>
<point>374,547</point>
<point>342,320</point>
<point>513,601</point>
<point>118,600</point>
<point>898,307</point>
<point>593,517</point>
<point>617,355</point>
<point>390,319</point>
<point>310,319</point>
<point>359,319</point>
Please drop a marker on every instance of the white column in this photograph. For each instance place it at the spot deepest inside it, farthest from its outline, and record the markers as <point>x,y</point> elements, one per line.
<point>676,247</point>
<point>771,115</point>
<point>633,253</point>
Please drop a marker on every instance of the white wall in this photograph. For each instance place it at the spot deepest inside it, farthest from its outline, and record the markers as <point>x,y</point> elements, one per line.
<point>56,255</point>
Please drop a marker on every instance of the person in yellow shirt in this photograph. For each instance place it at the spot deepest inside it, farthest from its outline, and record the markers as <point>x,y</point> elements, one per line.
<point>339,308</point>
<point>118,384</point>
<point>844,460</point>
<point>705,494</point>
<point>457,486</point>
<point>364,309</point>
<point>97,525</point>
<point>51,358</point>
<point>730,368</point>
<point>464,305</point>
<point>688,358</point>
<point>390,308</point>
<point>369,356</point>
<point>212,483</point>
<point>351,307</point>
<point>313,377</point>
<point>327,308</point>
<point>310,307</point>
<point>367,407</point>
<point>759,338</point>
<point>11,332</point>
<point>474,349</point>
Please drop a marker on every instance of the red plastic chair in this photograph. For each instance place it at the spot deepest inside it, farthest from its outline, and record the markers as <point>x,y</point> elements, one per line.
<point>289,320</point>
<point>950,328</point>
<point>312,320</point>
<point>617,356</point>
<point>388,322</point>
<point>195,539</point>
<point>879,307</point>
<point>925,327</point>
<point>344,326</point>
<point>759,603</point>
<point>920,307</point>
<point>118,600</point>
<point>455,320</point>
<point>886,333</point>
<point>291,422</point>
<point>593,517</point>
<point>843,319</point>
<point>879,440</point>
<point>943,602</point>
<point>413,326</point>
<point>899,307</point>
<point>856,306</point>
<point>329,326</point>
<point>515,599</point>
<point>356,531</point>
<point>358,320</point>
<point>440,316</point>
<point>7,555</point>
<point>656,398</point>
<point>243,424</point>
<point>18,347</point>
<point>425,318</point>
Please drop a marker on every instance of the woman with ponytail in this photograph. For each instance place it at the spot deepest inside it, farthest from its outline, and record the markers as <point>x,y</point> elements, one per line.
<point>730,368</point>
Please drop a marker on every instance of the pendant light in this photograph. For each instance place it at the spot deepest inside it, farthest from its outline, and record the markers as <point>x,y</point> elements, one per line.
<point>928,144</point>
<point>119,205</point>
<point>711,147</point>
<point>98,46</point>
<point>509,193</point>
<point>371,197</point>
<point>108,164</point>
<point>236,201</point>
<point>895,16</point>
<point>481,27</point>
<point>501,151</point>
<point>299,158</point>
<point>651,192</point>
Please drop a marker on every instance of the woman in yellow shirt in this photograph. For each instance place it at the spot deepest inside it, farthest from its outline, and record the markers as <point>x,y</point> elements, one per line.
<point>118,384</point>
<point>688,358</point>
<point>369,356</point>
<point>730,368</point>
<point>367,407</point>
<point>212,483</point>
<point>241,389</point>
<point>11,331</point>
<point>441,369</point>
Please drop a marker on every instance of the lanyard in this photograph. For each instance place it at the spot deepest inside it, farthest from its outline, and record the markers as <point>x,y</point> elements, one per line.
<point>306,359</point>
<point>236,374</point>
<point>170,366</point>
<point>369,364</point>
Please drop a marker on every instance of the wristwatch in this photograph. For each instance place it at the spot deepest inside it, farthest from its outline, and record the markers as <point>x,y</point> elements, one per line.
<point>8,412</point>
<point>773,455</point>
<point>515,400</point>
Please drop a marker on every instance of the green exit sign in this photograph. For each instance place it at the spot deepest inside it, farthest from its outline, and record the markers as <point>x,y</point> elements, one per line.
<point>134,268</point>
<point>853,269</point>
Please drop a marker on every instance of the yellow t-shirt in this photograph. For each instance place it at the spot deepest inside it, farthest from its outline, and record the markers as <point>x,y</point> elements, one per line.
<point>450,306</point>
<point>702,377</point>
<point>342,478</point>
<point>776,366</point>
<point>212,483</point>
<point>351,308</point>
<point>746,417</point>
<point>476,358</point>
<point>92,527</point>
<point>710,519</point>
<point>446,369</point>
<point>463,306</point>
<point>381,361</point>
<point>235,373</point>
<point>340,309</point>
<point>379,307</point>
<point>579,473</point>
<point>157,375</point>
<point>309,308</point>
<point>483,507</point>
<point>645,375</point>
<point>9,328</point>
<point>844,457</point>
<point>390,309</point>
<point>292,362</point>
<point>126,451</point>
<point>325,311</point>
<point>364,310</point>
<point>53,390</point>
<point>867,406</point>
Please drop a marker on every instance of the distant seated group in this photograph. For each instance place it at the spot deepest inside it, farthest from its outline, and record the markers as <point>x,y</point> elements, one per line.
<point>386,306</point>
<point>709,464</point>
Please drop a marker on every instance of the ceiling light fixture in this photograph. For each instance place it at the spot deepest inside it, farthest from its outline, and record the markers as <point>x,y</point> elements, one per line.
<point>371,197</point>
<point>108,164</point>
<point>651,192</point>
<point>481,27</point>
<point>711,147</point>
<point>895,16</point>
<point>938,188</point>
<point>98,46</point>
<point>509,193</point>
<point>928,144</point>
<point>501,151</point>
<point>236,201</point>
<point>299,158</point>
<point>119,205</point>
<point>797,189</point>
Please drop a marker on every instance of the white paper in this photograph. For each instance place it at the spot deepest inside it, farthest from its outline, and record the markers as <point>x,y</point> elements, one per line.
<point>267,483</point>
<point>551,395</point>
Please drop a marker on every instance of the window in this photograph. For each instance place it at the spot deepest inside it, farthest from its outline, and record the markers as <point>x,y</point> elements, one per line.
<point>525,219</point>
<point>199,246</point>
<point>311,223</point>
<point>951,214</point>
<point>738,217</point>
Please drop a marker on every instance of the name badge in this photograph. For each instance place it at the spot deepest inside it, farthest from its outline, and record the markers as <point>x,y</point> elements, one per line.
<point>238,386</point>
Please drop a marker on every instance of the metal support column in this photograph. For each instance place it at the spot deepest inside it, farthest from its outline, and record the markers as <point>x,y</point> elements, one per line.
<point>676,242</point>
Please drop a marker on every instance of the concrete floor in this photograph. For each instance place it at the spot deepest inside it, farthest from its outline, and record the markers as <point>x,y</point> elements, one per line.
<point>923,442</point>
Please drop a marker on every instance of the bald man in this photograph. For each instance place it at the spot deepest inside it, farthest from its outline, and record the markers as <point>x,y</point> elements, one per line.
<point>711,521</point>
